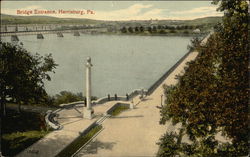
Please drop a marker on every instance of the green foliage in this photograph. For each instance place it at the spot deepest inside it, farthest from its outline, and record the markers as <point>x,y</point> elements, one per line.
<point>168,146</point>
<point>162,32</point>
<point>22,74</point>
<point>21,130</point>
<point>119,109</point>
<point>67,97</point>
<point>18,141</point>
<point>124,30</point>
<point>172,31</point>
<point>141,29</point>
<point>131,30</point>
<point>80,141</point>
<point>212,95</point>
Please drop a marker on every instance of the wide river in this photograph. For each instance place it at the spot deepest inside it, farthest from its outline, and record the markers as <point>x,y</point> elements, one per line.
<point>120,63</point>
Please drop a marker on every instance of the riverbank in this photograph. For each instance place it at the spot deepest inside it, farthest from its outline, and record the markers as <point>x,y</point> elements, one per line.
<point>84,31</point>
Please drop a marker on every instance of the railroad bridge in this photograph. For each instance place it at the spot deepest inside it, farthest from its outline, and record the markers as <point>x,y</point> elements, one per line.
<point>39,29</point>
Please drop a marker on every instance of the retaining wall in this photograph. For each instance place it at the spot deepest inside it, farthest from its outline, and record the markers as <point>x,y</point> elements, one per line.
<point>110,110</point>
<point>167,73</point>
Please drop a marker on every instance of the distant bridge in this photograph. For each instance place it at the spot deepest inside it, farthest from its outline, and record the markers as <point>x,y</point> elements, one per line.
<point>36,32</point>
<point>33,29</point>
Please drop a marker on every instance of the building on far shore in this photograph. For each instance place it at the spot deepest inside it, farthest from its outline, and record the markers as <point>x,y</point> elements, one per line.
<point>196,31</point>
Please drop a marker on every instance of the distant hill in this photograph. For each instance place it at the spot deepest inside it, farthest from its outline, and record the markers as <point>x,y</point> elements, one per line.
<point>205,20</point>
<point>10,19</point>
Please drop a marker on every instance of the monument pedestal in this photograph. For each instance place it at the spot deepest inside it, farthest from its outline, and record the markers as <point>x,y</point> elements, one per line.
<point>88,113</point>
<point>131,106</point>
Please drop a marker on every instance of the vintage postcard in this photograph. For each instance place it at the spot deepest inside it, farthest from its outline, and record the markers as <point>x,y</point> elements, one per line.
<point>121,78</point>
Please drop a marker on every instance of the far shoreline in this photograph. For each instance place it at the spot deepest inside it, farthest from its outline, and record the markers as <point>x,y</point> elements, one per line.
<point>22,33</point>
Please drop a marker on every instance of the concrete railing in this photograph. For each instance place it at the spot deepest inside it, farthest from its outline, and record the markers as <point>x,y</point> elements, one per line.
<point>50,120</point>
<point>112,108</point>
<point>70,105</point>
<point>106,99</point>
<point>133,94</point>
<point>50,115</point>
<point>166,74</point>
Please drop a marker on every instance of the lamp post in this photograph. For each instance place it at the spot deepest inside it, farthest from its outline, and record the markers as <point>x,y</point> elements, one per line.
<point>161,100</point>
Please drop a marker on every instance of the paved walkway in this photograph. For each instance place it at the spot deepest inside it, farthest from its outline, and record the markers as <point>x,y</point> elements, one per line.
<point>73,124</point>
<point>134,132</point>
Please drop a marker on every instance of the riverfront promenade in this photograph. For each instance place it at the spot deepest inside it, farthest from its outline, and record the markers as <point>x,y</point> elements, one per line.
<point>134,132</point>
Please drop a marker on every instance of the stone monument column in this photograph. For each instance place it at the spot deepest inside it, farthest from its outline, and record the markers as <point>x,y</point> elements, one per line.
<point>88,111</point>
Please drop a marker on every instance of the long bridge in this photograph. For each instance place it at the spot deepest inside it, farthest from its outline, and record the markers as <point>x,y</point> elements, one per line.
<point>35,29</point>
<point>38,29</point>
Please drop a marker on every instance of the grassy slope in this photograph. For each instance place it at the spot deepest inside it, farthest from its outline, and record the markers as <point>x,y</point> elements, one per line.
<point>21,131</point>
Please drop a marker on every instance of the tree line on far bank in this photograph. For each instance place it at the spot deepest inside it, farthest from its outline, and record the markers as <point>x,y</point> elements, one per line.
<point>162,29</point>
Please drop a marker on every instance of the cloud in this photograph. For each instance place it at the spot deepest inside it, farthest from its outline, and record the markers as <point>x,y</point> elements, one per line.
<point>14,11</point>
<point>196,10</point>
<point>123,14</point>
<point>136,11</point>
<point>132,12</point>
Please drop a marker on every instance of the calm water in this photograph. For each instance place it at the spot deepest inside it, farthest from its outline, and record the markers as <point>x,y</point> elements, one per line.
<point>120,63</point>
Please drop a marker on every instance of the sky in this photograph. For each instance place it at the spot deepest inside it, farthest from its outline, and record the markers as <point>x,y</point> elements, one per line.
<point>114,10</point>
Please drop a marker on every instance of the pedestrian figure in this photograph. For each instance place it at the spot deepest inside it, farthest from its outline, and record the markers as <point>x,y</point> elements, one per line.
<point>142,94</point>
<point>108,97</point>
<point>127,96</point>
<point>115,96</point>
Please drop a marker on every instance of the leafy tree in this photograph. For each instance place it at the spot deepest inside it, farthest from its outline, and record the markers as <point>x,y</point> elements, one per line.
<point>124,30</point>
<point>131,30</point>
<point>168,146</point>
<point>171,28</point>
<point>141,29</point>
<point>150,29</point>
<point>67,97</point>
<point>22,75</point>
<point>179,27</point>
<point>167,27</point>
<point>212,95</point>
<point>154,29</point>
<point>172,31</point>
<point>136,29</point>
<point>185,27</point>
<point>159,27</point>
<point>162,31</point>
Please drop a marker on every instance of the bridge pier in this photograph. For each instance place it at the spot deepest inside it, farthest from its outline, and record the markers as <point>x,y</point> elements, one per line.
<point>76,33</point>
<point>14,38</point>
<point>40,36</point>
<point>59,34</point>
